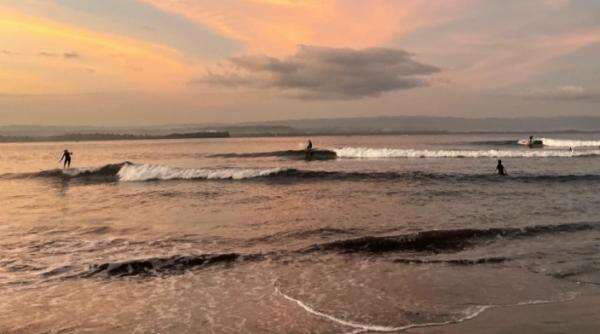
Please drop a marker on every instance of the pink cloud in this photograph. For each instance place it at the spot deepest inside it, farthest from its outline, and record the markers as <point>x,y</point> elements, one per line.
<point>277,26</point>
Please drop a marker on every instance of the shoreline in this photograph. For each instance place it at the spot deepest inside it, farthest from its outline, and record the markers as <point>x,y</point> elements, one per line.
<point>578,315</point>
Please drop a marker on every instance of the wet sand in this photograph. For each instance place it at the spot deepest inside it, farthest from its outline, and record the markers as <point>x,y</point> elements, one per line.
<point>580,315</point>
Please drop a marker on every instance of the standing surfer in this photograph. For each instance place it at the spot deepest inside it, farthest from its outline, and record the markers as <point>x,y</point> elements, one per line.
<point>67,159</point>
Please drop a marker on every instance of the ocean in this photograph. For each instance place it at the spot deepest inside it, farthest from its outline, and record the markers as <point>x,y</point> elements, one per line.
<point>243,235</point>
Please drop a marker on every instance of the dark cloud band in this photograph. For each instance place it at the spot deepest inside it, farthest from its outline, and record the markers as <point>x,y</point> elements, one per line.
<point>326,73</point>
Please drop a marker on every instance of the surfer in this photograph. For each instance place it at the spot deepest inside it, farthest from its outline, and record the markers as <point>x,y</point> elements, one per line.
<point>308,153</point>
<point>500,168</point>
<point>535,143</point>
<point>67,159</point>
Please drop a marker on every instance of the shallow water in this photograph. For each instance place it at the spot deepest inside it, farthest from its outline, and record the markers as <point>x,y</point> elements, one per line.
<point>244,235</point>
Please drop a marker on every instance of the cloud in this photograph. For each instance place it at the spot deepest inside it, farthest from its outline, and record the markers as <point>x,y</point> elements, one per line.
<point>59,71</point>
<point>47,54</point>
<point>275,27</point>
<point>325,73</point>
<point>66,55</point>
<point>71,55</point>
<point>564,93</point>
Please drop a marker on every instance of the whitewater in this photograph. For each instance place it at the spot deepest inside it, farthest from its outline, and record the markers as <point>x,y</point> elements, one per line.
<point>375,153</point>
<point>571,142</point>
<point>133,172</point>
<point>564,142</point>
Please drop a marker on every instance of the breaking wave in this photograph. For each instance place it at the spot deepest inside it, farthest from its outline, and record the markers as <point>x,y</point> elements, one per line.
<point>383,153</point>
<point>565,143</point>
<point>386,153</point>
<point>570,142</point>
<point>128,171</point>
<point>133,172</point>
<point>105,172</point>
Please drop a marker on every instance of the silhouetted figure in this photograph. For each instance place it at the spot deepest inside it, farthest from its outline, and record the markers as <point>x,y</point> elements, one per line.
<point>308,153</point>
<point>67,159</point>
<point>571,149</point>
<point>500,168</point>
<point>530,140</point>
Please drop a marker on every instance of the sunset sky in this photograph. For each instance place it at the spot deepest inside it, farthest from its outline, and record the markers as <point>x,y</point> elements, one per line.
<point>109,62</point>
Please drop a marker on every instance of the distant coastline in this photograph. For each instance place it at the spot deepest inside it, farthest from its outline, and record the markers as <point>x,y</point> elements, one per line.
<point>205,135</point>
<point>109,136</point>
<point>365,126</point>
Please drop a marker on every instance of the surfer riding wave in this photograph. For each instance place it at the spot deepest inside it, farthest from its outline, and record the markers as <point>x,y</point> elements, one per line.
<point>66,159</point>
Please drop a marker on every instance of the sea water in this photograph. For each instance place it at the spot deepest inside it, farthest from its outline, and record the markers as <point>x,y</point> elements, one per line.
<point>245,235</point>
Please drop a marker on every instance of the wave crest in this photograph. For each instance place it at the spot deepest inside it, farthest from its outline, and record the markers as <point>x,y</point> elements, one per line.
<point>383,153</point>
<point>135,172</point>
<point>570,142</point>
<point>441,240</point>
<point>104,172</point>
<point>173,264</point>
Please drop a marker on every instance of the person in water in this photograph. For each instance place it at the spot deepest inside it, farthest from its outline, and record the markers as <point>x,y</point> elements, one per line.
<point>67,159</point>
<point>500,168</point>
<point>308,151</point>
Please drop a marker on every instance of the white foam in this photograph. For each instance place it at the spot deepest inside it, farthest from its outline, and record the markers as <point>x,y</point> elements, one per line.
<point>563,142</point>
<point>382,153</point>
<point>76,171</point>
<point>570,142</point>
<point>471,313</point>
<point>135,172</point>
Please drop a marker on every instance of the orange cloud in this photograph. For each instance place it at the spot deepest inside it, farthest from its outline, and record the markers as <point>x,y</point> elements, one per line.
<point>506,63</point>
<point>117,63</point>
<point>278,26</point>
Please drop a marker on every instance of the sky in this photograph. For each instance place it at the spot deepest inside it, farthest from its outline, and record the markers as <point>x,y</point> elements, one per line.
<point>147,62</point>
